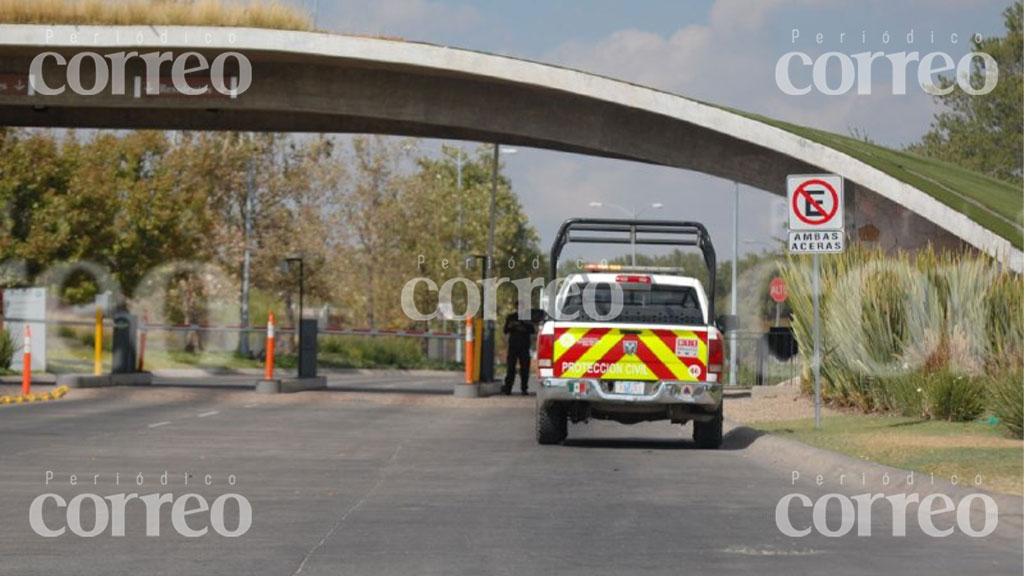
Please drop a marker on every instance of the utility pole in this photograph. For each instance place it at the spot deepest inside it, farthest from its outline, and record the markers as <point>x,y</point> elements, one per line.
<point>459,162</point>
<point>487,346</point>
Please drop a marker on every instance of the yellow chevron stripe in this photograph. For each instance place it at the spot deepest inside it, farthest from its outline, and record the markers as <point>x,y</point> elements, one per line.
<point>594,354</point>
<point>666,356</point>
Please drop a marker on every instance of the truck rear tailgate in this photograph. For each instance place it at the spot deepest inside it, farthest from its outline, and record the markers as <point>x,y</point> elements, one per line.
<point>630,352</point>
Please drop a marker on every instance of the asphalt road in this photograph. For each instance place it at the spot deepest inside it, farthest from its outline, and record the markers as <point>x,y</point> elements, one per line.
<point>388,474</point>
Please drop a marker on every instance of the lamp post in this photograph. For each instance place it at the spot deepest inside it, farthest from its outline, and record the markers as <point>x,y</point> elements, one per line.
<point>733,297</point>
<point>487,346</point>
<point>633,213</point>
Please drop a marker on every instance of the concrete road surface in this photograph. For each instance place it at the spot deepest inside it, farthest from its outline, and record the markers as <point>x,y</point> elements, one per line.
<point>389,474</point>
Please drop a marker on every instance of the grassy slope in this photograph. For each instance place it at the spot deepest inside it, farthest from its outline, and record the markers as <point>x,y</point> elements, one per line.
<point>996,205</point>
<point>939,447</point>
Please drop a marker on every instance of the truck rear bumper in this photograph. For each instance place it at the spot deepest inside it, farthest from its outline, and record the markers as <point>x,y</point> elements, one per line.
<point>661,393</point>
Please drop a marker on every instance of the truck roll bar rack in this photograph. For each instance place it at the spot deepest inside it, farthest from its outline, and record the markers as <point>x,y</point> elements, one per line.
<point>637,232</point>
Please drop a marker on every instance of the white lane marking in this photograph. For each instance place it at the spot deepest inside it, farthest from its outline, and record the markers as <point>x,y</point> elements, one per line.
<point>249,406</point>
<point>157,424</point>
<point>210,413</point>
<point>380,479</point>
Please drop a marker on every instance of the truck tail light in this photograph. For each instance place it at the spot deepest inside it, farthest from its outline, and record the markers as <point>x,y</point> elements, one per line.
<point>633,279</point>
<point>716,358</point>
<point>545,350</point>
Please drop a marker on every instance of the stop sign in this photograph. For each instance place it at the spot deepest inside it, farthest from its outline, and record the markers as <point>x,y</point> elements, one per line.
<point>777,290</point>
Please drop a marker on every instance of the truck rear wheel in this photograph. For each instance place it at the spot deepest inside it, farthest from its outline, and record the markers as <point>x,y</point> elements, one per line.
<point>708,435</point>
<point>552,424</point>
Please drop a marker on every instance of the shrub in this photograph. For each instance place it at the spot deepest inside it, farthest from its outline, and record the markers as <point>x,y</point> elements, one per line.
<point>1006,393</point>
<point>948,323</point>
<point>902,394</point>
<point>366,352</point>
<point>954,397</point>
<point>6,349</point>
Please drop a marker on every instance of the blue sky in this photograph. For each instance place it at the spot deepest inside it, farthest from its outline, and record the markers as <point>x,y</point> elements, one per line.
<point>721,51</point>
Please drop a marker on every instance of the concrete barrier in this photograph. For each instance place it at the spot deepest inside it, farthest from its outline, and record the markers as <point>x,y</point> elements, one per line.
<point>291,385</point>
<point>477,390</point>
<point>104,380</point>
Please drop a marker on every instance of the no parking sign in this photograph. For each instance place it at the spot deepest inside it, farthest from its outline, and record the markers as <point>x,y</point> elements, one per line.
<point>815,205</point>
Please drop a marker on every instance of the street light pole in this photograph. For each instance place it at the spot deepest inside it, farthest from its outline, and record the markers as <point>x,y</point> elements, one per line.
<point>460,161</point>
<point>487,346</point>
<point>633,213</point>
<point>735,265</point>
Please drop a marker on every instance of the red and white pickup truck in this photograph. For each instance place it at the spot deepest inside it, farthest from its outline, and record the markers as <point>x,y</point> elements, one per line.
<point>631,344</point>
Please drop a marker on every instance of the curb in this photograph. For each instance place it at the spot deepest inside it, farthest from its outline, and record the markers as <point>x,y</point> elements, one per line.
<point>58,393</point>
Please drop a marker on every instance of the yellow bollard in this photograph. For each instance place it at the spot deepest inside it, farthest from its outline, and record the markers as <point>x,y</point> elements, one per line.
<point>97,363</point>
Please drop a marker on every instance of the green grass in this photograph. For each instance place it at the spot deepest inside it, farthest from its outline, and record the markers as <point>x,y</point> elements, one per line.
<point>997,205</point>
<point>334,352</point>
<point>929,446</point>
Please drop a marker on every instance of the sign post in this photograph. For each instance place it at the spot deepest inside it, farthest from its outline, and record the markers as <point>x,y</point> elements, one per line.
<point>815,227</point>
<point>777,290</point>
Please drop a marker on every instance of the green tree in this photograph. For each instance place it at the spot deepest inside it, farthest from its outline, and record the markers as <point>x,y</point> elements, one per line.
<point>985,133</point>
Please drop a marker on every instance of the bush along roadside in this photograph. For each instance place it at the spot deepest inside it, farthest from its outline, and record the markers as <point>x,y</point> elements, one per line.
<point>7,350</point>
<point>930,335</point>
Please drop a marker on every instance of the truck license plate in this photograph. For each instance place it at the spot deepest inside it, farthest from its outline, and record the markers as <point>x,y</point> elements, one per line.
<point>635,388</point>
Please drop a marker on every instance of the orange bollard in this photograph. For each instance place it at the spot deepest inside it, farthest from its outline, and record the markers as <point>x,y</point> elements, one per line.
<point>469,351</point>
<point>26,363</point>
<point>270,348</point>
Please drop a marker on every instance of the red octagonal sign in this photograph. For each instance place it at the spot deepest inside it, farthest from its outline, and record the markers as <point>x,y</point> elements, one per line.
<point>777,290</point>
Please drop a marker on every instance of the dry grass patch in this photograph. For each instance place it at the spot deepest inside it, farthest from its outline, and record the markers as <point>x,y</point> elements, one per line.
<point>964,449</point>
<point>257,14</point>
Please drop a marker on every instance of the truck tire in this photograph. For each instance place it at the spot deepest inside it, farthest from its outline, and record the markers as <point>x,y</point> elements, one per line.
<point>552,424</point>
<point>708,435</point>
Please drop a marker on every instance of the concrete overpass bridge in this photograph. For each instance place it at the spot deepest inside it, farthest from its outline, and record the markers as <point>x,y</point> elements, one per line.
<point>314,82</point>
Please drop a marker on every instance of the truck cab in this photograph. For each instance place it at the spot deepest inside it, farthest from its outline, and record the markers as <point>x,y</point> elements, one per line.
<point>631,344</point>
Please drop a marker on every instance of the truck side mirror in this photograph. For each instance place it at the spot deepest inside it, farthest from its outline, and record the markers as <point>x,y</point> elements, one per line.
<point>728,322</point>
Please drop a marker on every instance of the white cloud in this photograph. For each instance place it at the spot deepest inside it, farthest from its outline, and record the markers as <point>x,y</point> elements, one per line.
<point>721,63</point>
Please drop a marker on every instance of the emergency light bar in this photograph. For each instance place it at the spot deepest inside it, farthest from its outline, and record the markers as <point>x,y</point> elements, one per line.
<point>626,268</point>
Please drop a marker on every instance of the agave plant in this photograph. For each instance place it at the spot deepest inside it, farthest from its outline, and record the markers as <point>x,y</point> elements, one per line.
<point>899,319</point>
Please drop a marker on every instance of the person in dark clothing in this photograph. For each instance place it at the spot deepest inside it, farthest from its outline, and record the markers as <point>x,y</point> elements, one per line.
<point>518,332</point>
